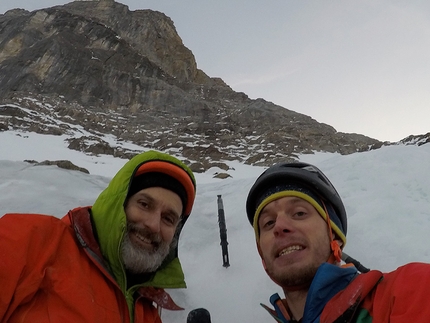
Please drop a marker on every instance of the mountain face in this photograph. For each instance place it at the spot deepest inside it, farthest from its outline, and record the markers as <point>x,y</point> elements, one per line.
<point>89,69</point>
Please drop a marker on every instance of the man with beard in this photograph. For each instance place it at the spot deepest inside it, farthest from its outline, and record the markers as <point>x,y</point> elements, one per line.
<point>300,226</point>
<point>105,263</point>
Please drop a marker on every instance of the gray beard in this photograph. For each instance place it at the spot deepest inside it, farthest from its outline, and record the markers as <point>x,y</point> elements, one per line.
<point>138,260</point>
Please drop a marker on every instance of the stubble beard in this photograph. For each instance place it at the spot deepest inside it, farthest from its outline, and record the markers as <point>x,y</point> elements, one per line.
<point>141,260</point>
<point>301,277</point>
<point>296,276</point>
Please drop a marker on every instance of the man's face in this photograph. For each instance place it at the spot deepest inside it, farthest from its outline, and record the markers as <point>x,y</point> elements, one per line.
<point>153,215</point>
<point>294,241</point>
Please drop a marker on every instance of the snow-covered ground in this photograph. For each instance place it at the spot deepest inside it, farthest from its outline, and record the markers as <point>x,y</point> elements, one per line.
<point>386,193</point>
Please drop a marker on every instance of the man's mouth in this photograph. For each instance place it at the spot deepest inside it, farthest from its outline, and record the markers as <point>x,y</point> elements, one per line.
<point>289,250</point>
<point>145,239</point>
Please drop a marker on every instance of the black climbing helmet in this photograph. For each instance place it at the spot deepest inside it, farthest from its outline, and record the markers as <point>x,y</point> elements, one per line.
<point>299,173</point>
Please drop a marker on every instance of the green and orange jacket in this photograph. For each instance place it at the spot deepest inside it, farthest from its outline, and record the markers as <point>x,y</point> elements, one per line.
<point>340,294</point>
<point>70,269</point>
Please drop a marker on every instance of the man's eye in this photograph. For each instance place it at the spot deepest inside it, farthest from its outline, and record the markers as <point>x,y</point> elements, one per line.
<point>144,204</point>
<point>300,214</point>
<point>169,219</point>
<point>268,223</point>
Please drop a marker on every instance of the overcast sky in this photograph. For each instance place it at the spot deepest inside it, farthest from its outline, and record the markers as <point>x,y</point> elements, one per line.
<point>359,66</point>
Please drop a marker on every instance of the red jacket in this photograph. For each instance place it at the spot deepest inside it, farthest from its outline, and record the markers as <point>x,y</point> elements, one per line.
<point>396,297</point>
<point>341,295</point>
<point>52,270</point>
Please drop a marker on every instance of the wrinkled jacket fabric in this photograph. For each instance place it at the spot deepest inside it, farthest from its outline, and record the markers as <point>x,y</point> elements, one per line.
<point>70,270</point>
<point>374,297</point>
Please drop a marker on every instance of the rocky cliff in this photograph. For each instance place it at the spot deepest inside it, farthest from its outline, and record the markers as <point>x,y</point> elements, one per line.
<point>100,69</point>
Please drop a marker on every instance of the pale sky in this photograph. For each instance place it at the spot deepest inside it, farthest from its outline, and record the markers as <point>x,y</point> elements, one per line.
<point>359,66</point>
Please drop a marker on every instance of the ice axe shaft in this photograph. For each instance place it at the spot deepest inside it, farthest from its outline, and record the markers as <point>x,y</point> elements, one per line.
<point>223,232</point>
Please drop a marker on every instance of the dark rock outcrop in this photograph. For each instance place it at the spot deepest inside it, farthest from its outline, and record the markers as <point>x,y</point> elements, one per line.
<point>97,68</point>
<point>65,164</point>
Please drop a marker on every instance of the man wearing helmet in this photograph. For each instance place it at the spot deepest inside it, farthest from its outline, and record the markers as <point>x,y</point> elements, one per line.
<point>300,226</point>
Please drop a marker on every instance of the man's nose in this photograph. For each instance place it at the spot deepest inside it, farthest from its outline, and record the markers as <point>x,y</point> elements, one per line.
<point>152,221</point>
<point>283,224</point>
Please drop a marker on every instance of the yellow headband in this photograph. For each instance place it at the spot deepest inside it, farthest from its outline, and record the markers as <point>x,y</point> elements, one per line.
<point>303,196</point>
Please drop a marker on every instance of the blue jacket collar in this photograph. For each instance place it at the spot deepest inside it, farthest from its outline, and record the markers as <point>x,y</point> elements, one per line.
<point>328,281</point>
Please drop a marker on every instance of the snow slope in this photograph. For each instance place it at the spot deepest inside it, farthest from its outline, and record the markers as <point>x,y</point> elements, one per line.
<point>386,194</point>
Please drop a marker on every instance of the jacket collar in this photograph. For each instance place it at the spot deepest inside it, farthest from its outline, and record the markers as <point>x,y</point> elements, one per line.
<point>328,281</point>
<point>343,306</point>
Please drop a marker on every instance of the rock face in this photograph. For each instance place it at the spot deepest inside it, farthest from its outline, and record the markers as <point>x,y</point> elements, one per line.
<point>97,67</point>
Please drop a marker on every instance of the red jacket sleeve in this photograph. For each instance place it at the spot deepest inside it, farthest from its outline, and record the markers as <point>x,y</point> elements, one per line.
<point>25,240</point>
<point>403,295</point>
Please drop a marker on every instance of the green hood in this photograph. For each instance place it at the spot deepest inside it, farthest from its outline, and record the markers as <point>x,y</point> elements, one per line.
<point>110,222</point>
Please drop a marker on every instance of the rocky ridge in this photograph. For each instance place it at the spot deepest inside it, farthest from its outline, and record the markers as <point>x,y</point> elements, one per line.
<point>92,70</point>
